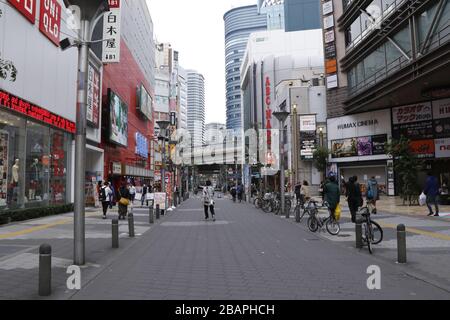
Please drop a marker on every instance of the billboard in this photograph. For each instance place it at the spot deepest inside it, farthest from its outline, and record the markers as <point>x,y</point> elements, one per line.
<point>118,120</point>
<point>93,96</point>
<point>145,102</point>
<point>141,145</point>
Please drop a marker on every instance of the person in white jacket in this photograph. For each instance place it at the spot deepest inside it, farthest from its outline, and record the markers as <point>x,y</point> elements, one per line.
<point>208,200</point>
<point>105,198</point>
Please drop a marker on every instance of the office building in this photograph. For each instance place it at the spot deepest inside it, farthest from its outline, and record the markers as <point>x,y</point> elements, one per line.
<point>196,106</point>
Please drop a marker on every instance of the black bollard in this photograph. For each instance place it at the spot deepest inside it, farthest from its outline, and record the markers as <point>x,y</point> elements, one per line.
<point>115,234</point>
<point>150,215</point>
<point>158,212</point>
<point>131,225</point>
<point>358,234</point>
<point>45,270</point>
<point>401,243</point>
<point>297,214</point>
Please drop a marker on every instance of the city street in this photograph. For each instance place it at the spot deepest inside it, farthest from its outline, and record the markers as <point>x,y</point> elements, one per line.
<point>245,254</point>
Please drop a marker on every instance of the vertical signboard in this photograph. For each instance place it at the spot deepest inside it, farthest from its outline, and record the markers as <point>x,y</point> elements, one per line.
<point>93,96</point>
<point>50,20</point>
<point>111,31</point>
<point>26,7</point>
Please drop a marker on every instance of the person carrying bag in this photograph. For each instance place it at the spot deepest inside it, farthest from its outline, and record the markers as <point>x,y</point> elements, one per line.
<point>124,201</point>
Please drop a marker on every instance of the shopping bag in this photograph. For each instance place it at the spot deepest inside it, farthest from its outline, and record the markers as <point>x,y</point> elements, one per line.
<point>138,197</point>
<point>124,202</point>
<point>338,212</point>
<point>422,199</point>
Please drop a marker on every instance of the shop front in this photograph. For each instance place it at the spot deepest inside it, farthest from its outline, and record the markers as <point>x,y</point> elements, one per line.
<point>35,155</point>
<point>357,148</point>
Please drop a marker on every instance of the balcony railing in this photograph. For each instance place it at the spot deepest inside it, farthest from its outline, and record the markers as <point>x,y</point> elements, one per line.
<point>439,39</point>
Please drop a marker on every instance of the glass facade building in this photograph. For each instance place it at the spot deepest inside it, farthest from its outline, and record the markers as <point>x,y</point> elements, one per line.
<point>239,24</point>
<point>302,15</point>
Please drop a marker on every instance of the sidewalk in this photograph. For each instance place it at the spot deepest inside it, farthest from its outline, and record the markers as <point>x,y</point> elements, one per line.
<point>394,205</point>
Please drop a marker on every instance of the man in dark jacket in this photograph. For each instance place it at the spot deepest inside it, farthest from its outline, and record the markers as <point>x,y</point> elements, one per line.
<point>432,193</point>
<point>332,193</point>
<point>353,194</point>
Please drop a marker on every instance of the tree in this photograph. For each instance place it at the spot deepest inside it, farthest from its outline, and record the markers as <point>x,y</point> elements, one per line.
<point>321,156</point>
<point>406,165</point>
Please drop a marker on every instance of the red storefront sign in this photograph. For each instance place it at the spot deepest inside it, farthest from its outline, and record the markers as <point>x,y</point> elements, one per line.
<point>26,7</point>
<point>50,20</point>
<point>423,148</point>
<point>114,4</point>
<point>35,112</point>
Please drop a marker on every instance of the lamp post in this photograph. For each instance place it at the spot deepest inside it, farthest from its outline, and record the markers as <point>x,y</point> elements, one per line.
<point>281,117</point>
<point>173,143</point>
<point>163,125</point>
<point>90,10</point>
<point>295,144</point>
<point>321,137</point>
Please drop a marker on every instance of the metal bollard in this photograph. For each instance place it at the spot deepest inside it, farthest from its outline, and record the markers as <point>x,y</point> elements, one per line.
<point>158,212</point>
<point>150,215</point>
<point>358,234</point>
<point>45,270</point>
<point>401,243</point>
<point>131,225</point>
<point>115,234</point>
<point>297,215</point>
<point>174,199</point>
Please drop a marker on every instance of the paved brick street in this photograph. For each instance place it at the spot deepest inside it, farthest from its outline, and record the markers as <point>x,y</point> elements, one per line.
<point>245,254</point>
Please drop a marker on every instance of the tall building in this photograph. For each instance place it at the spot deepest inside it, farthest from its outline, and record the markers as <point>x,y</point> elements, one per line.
<point>387,67</point>
<point>239,24</point>
<point>182,82</point>
<point>274,11</point>
<point>196,106</point>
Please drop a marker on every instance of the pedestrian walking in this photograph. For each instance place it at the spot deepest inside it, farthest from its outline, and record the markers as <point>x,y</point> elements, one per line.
<point>354,197</point>
<point>144,194</point>
<point>373,194</point>
<point>233,192</point>
<point>132,193</point>
<point>432,193</point>
<point>332,194</point>
<point>208,200</point>
<point>113,197</point>
<point>105,196</point>
<point>240,192</point>
<point>297,191</point>
<point>304,192</point>
<point>124,202</point>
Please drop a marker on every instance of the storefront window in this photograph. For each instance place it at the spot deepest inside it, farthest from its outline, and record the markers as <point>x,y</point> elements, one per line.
<point>37,165</point>
<point>12,160</point>
<point>59,164</point>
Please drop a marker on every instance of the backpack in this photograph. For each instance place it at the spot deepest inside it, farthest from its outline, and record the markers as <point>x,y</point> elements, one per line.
<point>102,196</point>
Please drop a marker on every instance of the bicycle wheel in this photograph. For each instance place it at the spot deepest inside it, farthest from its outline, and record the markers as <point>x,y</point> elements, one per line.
<point>258,203</point>
<point>333,227</point>
<point>313,225</point>
<point>266,207</point>
<point>377,233</point>
<point>369,236</point>
<point>276,207</point>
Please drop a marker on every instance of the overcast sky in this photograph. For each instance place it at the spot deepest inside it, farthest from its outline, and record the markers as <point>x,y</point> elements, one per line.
<point>195,28</point>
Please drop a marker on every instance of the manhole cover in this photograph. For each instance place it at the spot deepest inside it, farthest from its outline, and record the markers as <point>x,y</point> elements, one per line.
<point>344,236</point>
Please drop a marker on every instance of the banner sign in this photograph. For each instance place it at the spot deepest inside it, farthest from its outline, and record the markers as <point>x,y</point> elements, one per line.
<point>35,112</point>
<point>308,145</point>
<point>362,146</point>
<point>93,96</point>
<point>26,7</point>
<point>111,31</point>
<point>308,123</point>
<point>50,20</point>
<point>412,113</point>
<point>329,36</point>
<point>423,148</point>
<point>442,148</point>
<point>141,145</point>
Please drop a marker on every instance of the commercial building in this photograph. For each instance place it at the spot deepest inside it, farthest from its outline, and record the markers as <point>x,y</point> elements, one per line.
<point>274,64</point>
<point>302,15</point>
<point>128,92</point>
<point>37,107</point>
<point>239,24</point>
<point>274,11</point>
<point>196,107</point>
<point>387,66</point>
<point>182,82</point>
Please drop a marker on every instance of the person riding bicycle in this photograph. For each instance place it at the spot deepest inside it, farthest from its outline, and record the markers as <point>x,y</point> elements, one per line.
<point>332,193</point>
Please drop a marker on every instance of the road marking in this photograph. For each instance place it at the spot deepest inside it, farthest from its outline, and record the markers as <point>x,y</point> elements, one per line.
<point>435,235</point>
<point>39,228</point>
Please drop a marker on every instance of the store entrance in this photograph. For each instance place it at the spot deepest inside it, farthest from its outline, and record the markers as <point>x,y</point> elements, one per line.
<point>364,174</point>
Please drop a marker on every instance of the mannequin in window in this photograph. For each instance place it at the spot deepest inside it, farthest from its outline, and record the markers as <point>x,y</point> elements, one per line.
<point>15,173</point>
<point>34,179</point>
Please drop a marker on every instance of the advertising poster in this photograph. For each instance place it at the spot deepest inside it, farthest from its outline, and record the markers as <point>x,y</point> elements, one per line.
<point>160,199</point>
<point>416,130</point>
<point>344,148</point>
<point>145,105</point>
<point>412,113</point>
<point>364,146</point>
<point>423,148</point>
<point>442,148</point>
<point>4,141</point>
<point>119,120</point>
<point>442,128</point>
<point>308,145</point>
<point>93,96</point>
<point>308,123</point>
<point>141,145</point>
<point>379,144</point>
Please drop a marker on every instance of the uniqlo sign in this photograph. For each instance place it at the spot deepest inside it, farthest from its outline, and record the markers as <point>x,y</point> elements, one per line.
<point>25,7</point>
<point>50,20</point>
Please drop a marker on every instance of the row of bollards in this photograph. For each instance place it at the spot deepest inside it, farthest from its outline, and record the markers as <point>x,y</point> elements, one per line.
<point>45,250</point>
<point>401,241</point>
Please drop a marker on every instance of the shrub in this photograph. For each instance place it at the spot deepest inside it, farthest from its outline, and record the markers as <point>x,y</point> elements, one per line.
<point>34,213</point>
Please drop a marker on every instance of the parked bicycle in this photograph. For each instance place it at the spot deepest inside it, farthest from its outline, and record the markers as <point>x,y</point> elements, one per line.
<point>304,207</point>
<point>372,232</point>
<point>316,222</point>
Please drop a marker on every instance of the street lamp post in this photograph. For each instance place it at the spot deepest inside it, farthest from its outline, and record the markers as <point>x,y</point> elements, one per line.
<point>163,125</point>
<point>281,117</point>
<point>90,10</point>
